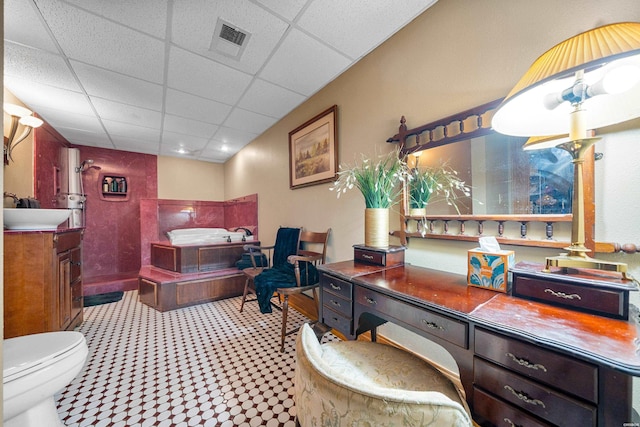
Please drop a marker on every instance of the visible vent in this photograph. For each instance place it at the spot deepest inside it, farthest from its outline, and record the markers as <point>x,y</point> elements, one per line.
<point>229,40</point>
<point>232,35</point>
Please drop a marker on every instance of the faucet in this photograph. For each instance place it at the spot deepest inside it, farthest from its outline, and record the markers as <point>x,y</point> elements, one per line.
<point>246,231</point>
<point>13,196</point>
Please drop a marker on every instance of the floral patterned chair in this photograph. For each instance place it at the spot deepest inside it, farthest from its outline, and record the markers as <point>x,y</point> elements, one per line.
<point>370,384</point>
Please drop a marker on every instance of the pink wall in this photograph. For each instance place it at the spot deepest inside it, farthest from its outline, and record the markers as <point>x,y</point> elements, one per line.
<point>47,144</point>
<point>159,216</point>
<point>112,231</point>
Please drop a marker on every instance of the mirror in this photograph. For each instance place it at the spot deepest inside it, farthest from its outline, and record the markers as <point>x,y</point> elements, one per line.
<point>510,187</point>
<point>503,178</point>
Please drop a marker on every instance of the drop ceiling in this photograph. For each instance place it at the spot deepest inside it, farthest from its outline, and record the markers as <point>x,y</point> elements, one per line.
<point>152,76</point>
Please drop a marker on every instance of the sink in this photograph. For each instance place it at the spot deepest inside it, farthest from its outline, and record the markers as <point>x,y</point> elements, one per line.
<point>34,219</point>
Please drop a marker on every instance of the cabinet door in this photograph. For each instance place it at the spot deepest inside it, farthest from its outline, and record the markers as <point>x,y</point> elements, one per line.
<point>64,289</point>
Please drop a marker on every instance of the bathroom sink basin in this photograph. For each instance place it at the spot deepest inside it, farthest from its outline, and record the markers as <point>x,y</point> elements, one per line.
<point>34,219</point>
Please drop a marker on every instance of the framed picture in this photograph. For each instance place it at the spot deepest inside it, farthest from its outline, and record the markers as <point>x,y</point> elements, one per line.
<point>313,150</point>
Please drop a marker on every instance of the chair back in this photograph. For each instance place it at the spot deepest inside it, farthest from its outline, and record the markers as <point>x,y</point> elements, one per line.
<point>314,240</point>
<point>286,244</point>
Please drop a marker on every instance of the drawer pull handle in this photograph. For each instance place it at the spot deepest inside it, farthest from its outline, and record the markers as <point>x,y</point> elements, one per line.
<point>367,256</point>
<point>526,363</point>
<point>336,303</point>
<point>562,294</point>
<point>370,301</point>
<point>511,423</point>
<point>335,287</point>
<point>432,325</point>
<point>523,396</point>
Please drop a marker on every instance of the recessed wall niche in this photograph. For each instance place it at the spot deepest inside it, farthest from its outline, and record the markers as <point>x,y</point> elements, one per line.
<point>113,187</point>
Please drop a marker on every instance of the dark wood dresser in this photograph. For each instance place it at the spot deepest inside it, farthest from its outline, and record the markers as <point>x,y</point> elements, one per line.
<point>521,362</point>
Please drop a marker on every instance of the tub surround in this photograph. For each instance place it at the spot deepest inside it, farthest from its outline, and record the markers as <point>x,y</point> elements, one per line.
<point>159,216</point>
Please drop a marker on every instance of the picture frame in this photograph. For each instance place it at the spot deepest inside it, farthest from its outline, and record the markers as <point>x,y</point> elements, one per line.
<point>313,150</point>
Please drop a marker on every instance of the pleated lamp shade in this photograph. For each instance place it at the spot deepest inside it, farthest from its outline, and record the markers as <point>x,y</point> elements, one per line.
<point>534,107</point>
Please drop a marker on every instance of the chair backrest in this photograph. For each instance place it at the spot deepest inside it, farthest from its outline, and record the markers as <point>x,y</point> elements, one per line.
<point>287,243</point>
<point>314,240</point>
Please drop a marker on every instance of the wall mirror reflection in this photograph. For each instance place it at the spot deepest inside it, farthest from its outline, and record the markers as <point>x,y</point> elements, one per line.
<point>503,178</point>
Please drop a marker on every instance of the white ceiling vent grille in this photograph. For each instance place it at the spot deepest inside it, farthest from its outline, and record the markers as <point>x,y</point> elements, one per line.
<point>229,40</point>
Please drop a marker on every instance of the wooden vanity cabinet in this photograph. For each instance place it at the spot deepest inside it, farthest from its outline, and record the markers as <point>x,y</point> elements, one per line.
<point>42,281</point>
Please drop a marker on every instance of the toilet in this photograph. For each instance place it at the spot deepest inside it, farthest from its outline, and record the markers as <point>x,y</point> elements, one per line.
<point>35,368</point>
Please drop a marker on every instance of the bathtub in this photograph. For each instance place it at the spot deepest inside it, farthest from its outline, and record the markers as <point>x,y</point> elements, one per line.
<point>206,236</point>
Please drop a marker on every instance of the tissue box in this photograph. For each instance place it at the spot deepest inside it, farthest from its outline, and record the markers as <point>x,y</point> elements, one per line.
<point>490,270</point>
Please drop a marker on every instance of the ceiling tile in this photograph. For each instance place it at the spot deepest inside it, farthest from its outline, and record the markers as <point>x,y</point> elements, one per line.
<point>118,87</point>
<point>110,110</point>
<point>233,138</point>
<point>191,143</point>
<point>35,94</point>
<point>22,25</point>
<point>82,137</point>
<point>132,131</point>
<point>195,108</point>
<point>135,145</point>
<point>38,66</point>
<point>303,64</point>
<point>58,118</point>
<point>194,24</point>
<point>289,9</point>
<point>251,122</point>
<point>269,99</point>
<point>342,24</point>
<point>149,16</point>
<point>87,38</point>
<point>201,76</point>
<point>188,127</point>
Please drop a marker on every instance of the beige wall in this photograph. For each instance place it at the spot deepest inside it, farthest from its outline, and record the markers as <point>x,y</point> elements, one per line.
<point>457,55</point>
<point>181,179</point>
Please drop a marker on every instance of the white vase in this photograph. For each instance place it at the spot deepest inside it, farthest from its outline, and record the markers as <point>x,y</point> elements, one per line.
<point>422,212</point>
<point>376,227</point>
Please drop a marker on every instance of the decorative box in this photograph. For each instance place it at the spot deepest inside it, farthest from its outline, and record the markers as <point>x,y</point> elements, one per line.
<point>386,257</point>
<point>490,270</point>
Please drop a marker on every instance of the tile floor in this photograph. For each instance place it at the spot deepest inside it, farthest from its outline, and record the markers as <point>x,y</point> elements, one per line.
<point>207,365</point>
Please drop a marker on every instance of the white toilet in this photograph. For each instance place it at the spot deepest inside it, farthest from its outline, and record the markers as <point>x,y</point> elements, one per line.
<point>35,367</point>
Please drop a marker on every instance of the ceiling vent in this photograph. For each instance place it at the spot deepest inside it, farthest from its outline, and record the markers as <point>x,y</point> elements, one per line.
<point>229,40</point>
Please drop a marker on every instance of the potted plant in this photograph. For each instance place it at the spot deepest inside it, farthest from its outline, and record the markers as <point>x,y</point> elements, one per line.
<point>378,182</point>
<point>439,182</point>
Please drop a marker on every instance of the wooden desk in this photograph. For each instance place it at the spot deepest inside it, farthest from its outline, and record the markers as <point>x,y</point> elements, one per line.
<point>521,362</point>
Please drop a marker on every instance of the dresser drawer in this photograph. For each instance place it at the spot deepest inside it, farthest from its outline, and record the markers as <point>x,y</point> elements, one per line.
<point>337,321</point>
<point>605,302</point>
<point>336,286</point>
<point>500,413</point>
<point>336,303</point>
<point>441,326</point>
<point>563,372</point>
<point>533,397</point>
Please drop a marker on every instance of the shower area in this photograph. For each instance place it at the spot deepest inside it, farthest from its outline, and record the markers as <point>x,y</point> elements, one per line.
<point>70,192</point>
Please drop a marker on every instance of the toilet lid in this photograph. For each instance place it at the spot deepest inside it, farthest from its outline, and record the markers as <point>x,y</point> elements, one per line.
<point>21,354</point>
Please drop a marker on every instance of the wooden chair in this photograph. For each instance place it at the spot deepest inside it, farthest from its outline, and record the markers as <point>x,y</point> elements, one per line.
<point>286,244</point>
<point>308,240</point>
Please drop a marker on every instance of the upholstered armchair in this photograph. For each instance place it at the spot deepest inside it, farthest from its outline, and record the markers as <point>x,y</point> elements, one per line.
<point>371,384</point>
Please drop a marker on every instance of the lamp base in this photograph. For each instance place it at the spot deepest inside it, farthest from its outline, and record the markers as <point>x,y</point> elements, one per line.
<point>578,259</point>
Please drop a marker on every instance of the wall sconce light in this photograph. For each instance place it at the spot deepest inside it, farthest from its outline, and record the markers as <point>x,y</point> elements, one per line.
<point>20,117</point>
<point>568,90</point>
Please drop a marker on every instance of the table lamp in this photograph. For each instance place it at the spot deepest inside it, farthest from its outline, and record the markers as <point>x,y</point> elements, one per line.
<point>586,82</point>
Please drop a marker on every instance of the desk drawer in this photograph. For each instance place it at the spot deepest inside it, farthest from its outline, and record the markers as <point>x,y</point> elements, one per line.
<point>565,373</point>
<point>500,413</point>
<point>535,398</point>
<point>337,303</point>
<point>337,321</point>
<point>441,326</point>
<point>336,286</point>
<point>605,302</point>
